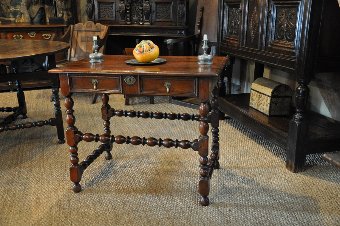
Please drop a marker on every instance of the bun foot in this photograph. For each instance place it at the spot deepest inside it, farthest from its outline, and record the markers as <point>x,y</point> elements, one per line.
<point>204,201</point>
<point>108,156</point>
<point>76,188</point>
<point>217,165</point>
<point>108,149</point>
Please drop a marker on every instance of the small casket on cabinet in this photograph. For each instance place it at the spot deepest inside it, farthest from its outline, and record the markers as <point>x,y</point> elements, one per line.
<point>270,97</point>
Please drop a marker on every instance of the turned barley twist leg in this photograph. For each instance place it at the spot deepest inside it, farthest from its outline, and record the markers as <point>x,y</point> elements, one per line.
<point>215,147</point>
<point>71,130</point>
<point>58,115</point>
<point>106,117</point>
<point>204,183</point>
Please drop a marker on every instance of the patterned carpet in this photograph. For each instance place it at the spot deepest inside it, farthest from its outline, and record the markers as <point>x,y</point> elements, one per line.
<point>155,185</point>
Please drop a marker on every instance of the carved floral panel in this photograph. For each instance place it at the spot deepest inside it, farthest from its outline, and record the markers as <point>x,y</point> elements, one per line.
<point>283,19</point>
<point>106,10</point>
<point>163,11</point>
<point>234,21</point>
<point>253,24</point>
<point>285,23</point>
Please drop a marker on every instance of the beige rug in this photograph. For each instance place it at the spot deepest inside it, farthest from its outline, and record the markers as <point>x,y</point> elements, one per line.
<point>154,185</point>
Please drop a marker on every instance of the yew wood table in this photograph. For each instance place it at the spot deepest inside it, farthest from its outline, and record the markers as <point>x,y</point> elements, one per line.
<point>179,76</point>
<point>24,65</point>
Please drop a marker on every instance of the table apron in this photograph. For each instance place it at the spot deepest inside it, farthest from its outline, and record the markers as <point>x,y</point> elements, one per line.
<point>137,85</point>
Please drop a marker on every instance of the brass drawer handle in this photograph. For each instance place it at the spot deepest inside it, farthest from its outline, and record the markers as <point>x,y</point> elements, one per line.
<point>18,36</point>
<point>31,34</point>
<point>95,84</point>
<point>130,80</point>
<point>167,86</point>
<point>46,36</point>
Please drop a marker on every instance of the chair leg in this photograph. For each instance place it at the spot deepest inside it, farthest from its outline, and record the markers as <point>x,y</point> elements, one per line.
<point>126,97</point>
<point>94,98</point>
<point>21,100</point>
<point>152,100</point>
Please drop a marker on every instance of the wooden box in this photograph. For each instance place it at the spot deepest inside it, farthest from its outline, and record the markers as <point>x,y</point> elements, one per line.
<point>270,97</point>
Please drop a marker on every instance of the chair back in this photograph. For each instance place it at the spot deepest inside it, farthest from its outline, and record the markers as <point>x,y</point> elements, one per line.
<point>128,51</point>
<point>81,40</point>
<point>188,45</point>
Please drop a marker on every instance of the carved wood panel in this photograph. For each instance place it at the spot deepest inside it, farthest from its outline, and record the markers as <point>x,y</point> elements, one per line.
<point>181,12</point>
<point>163,11</point>
<point>283,18</point>
<point>170,12</point>
<point>106,10</point>
<point>253,21</point>
<point>231,23</point>
<point>142,12</point>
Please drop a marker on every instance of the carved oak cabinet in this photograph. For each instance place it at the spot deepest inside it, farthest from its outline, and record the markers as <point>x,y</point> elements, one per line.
<point>296,36</point>
<point>133,20</point>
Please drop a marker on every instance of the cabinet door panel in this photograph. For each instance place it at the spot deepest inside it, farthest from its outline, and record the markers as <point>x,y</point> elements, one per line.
<point>253,32</point>
<point>169,12</point>
<point>283,31</point>
<point>106,10</point>
<point>231,24</point>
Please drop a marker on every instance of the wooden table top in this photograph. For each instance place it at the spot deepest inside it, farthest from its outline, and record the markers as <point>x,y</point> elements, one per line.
<point>174,66</point>
<point>21,48</point>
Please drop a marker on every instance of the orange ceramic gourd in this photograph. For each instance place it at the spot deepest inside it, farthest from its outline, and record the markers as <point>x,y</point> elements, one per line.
<point>146,51</point>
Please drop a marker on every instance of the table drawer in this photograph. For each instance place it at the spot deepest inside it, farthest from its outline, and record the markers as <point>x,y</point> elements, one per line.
<point>172,86</point>
<point>95,83</point>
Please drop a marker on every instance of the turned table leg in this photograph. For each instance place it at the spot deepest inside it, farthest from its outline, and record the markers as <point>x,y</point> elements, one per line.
<point>214,120</point>
<point>58,116</point>
<point>75,169</point>
<point>204,183</point>
<point>106,117</point>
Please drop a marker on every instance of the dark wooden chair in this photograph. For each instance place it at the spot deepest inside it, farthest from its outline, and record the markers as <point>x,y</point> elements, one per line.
<point>80,37</point>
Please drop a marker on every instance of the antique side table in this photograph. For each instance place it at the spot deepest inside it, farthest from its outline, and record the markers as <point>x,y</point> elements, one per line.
<point>24,66</point>
<point>179,76</point>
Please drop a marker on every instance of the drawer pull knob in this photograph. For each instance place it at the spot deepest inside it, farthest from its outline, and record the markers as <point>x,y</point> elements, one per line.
<point>130,80</point>
<point>95,84</point>
<point>167,86</point>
